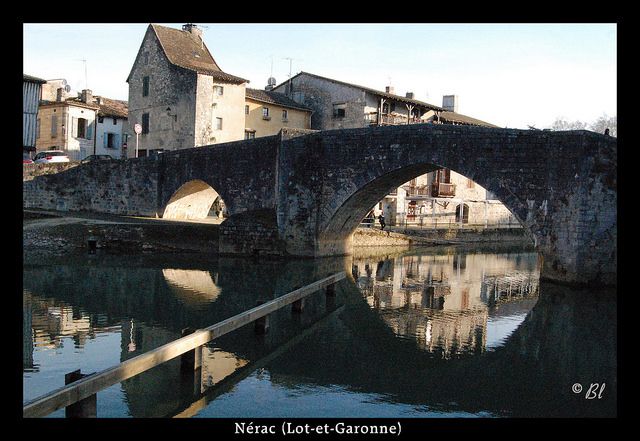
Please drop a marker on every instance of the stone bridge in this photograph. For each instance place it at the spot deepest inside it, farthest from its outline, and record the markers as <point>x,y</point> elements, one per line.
<point>303,194</point>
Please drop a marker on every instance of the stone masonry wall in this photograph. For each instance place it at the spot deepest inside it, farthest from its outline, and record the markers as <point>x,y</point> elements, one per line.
<point>115,187</point>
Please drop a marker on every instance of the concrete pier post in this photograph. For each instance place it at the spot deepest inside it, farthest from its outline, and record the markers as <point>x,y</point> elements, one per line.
<point>191,360</point>
<point>297,306</point>
<point>261,325</point>
<point>86,408</point>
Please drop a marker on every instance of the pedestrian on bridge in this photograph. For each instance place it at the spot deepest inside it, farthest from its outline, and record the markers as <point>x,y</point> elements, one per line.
<point>381,219</point>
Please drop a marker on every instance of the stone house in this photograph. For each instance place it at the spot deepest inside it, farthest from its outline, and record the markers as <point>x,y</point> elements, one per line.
<point>179,94</point>
<point>267,112</point>
<point>31,94</point>
<point>443,198</point>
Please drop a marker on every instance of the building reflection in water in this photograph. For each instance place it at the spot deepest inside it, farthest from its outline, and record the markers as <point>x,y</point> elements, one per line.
<point>192,286</point>
<point>444,301</point>
<point>48,322</point>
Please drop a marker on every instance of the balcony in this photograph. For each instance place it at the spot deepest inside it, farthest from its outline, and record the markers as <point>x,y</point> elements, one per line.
<point>390,119</point>
<point>413,191</point>
<point>442,190</point>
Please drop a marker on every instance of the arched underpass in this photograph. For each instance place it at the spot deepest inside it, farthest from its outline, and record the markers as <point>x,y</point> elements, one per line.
<point>193,200</point>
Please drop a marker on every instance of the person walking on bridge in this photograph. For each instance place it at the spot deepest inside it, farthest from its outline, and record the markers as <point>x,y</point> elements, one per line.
<point>381,219</point>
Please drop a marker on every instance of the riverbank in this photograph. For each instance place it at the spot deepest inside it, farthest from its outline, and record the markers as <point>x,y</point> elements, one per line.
<point>59,233</point>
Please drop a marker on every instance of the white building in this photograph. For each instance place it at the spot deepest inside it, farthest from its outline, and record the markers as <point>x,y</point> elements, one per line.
<point>111,135</point>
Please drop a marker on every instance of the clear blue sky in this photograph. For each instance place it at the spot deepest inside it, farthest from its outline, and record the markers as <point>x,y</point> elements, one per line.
<point>511,75</point>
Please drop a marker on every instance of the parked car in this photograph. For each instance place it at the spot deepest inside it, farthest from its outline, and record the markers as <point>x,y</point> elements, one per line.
<point>93,158</point>
<point>51,156</point>
<point>26,158</point>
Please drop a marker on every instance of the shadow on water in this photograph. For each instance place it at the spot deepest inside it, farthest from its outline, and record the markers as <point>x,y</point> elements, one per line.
<point>413,327</point>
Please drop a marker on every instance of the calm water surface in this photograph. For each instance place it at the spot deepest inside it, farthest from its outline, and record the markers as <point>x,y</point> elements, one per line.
<point>445,332</point>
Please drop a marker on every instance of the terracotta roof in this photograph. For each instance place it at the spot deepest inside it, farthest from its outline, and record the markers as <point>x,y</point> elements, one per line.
<point>453,117</point>
<point>188,51</point>
<point>370,90</point>
<point>269,96</point>
<point>113,108</point>
<point>31,79</point>
<point>69,101</point>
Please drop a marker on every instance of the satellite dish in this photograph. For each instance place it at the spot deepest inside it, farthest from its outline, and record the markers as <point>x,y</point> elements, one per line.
<point>64,82</point>
<point>67,88</point>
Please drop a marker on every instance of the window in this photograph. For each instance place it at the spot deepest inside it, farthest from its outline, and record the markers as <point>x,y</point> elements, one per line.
<point>339,110</point>
<point>115,121</point>
<point>81,128</point>
<point>111,137</point>
<point>218,90</point>
<point>246,109</point>
<point>470,183</point>
<point>38,128</point>
<point>265,113</point>
<point>249,134</point>
<point>145,86</point>
<point>285,115</point>
<point>145,123</point>
<point>218,123</point>
<point>101,119</point>
<point>54,126</point>
<point>443,176</point>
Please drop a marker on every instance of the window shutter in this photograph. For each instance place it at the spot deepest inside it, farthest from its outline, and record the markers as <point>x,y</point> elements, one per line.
<point>116,141</point>
<point>106,140</point>
<point>90,130</point>
<point>74,127</point>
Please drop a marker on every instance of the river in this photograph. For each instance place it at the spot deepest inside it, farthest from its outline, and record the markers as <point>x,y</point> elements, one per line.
<point>431,332</point>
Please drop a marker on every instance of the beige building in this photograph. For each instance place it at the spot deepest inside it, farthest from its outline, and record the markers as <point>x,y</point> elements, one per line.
<point>267,112</point>
<point>67,124</point>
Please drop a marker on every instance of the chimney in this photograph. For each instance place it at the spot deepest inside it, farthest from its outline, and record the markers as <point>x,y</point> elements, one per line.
<point>271,83</point>
<point>193,29</point>
<point>409,95</point>
<point>60,94</point>
<point>450,103</point>
<point>99,100</point>
<point>389,89</point>
<point>87,96</point>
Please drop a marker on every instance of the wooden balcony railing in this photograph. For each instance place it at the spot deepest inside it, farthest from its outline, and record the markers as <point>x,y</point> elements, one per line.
<point>441,190</point>
<point>390,119</point>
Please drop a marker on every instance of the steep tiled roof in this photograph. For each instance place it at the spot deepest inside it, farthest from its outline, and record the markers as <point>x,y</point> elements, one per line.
<point>453,117</point>
<point>112,108</point>
<point>370,90</point>
<point>269,96</point>
<point>186,50</point>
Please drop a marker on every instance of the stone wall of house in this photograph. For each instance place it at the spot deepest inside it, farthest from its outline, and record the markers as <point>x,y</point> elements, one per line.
<point>321,95</point>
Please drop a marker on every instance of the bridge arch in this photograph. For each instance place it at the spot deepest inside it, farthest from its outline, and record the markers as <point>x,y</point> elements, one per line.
<point>335,236</point>
<point>560,186</point>
<point>193,200</point>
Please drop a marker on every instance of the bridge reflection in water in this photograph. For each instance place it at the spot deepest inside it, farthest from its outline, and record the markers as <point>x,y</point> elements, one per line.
<point>432,333</point>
